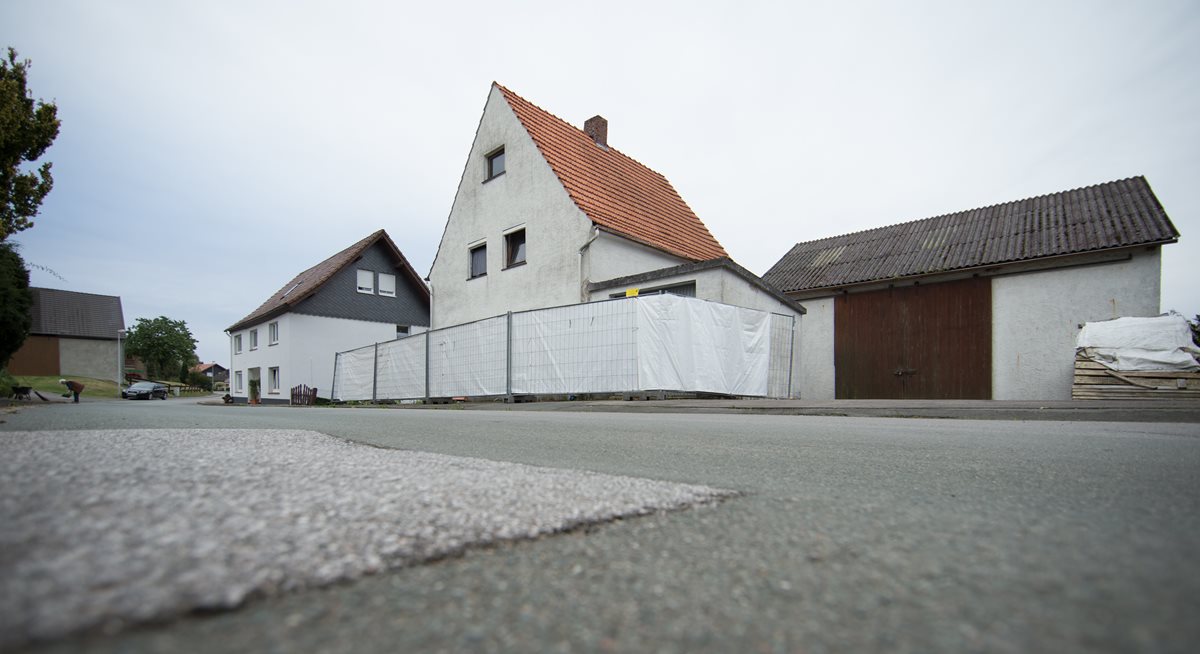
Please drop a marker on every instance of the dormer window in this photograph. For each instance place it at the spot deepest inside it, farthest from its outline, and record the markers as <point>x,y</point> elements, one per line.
<point>495,164</point>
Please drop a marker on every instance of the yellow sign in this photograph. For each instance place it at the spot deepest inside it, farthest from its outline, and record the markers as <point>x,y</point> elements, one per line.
<point>631,292</point>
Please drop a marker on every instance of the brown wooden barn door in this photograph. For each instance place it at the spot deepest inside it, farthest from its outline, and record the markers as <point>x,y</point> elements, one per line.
<point>915,342</point>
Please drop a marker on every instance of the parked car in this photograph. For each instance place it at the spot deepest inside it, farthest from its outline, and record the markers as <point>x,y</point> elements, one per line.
<point>145,390</point>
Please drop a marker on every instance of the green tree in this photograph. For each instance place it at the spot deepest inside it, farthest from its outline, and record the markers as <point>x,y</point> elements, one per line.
<point>15,302</point>
<point>164,345</point>
<point>27,128</point>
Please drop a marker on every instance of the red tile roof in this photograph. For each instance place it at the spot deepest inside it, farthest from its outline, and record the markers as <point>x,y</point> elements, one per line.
<point>617,193</point>
<point>303,285</point>
<point>1117,214</point>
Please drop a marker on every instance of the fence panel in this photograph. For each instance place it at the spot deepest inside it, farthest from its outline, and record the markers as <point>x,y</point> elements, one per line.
<point>779,374</point>
<point>401,369</point>
<point>353,374</point>
<point>469,359</point>
<point>583,348</point>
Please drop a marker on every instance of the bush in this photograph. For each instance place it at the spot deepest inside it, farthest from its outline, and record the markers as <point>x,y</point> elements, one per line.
<point>199,380</point>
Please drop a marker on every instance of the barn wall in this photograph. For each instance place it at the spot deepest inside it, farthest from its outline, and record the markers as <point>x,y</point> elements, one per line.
<point>1037,317</point>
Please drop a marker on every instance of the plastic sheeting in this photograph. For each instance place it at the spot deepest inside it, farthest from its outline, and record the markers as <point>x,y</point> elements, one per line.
<point>1162,343</point>
<point>354,374</point>
<point>649,343</point>
<point>582,348</point>
<point>702,346</point>
<point>401,369</point>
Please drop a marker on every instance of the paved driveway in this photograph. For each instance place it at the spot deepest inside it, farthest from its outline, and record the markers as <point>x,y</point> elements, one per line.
<point>852,534</point>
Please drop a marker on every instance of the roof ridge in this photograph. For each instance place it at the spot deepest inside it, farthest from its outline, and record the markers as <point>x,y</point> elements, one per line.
<point>978,208</point>
<point>613,189</point>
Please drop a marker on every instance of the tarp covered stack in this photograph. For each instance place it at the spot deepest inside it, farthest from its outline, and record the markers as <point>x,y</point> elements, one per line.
<point>1136,358</point>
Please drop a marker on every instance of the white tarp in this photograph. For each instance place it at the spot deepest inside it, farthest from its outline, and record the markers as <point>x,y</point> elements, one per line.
<point>469,360</point>
<point>401,373</point>
<point>687,344</point>
<point>582,348</point>
<point>1162,343</point>
<point>354,374</point>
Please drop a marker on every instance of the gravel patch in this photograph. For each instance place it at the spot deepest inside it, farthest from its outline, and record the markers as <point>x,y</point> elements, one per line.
<point>109,528</point>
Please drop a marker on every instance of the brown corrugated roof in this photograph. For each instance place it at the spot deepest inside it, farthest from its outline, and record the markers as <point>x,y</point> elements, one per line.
<point>303,285</point>
<point>1117,214</point>
<point>69,313</point>
<point>614,191</point>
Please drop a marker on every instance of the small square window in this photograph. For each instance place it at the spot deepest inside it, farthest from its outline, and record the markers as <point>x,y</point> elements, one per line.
<point>366,281</point>
<point>272,380</point>
<point>401,330</point>
<point>272,333</point>
<point>237,344</point>
<point>479,261</point>
<point>514,248</point>
<point>387,284</point>
<point>253,339</point>
<point>495,164</point>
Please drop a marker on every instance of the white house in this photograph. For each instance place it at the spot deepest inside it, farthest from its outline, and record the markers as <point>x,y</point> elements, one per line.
<point>547,214</point>
<point>984,303</point>
<point>367,293</point>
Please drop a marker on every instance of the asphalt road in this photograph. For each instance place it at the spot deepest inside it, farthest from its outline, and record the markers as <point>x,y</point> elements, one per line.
<point>851,535</point>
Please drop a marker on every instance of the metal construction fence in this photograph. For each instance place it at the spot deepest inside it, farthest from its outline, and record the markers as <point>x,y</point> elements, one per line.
<point>653,343</point>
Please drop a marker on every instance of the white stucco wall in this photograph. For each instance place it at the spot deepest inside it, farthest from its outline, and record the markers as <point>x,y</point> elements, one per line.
<point>609,257</point>
<point>816,380</point>
<point>88,357</point>
<point>1036,317</point>
<point>529,194</point>
<point>305,351</point>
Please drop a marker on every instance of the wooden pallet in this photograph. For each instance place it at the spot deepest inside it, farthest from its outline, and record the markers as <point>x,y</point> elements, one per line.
<point>1094,381</point>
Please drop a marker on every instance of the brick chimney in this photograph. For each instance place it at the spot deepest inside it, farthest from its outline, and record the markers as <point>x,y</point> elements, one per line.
<point>597,128</point>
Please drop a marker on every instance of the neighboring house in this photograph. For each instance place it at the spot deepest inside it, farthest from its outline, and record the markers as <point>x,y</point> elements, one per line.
<point>367,293</point>
<point>72,334</point>
<point>983,303</point>
<point>547,214</point>
<point>214,371</point>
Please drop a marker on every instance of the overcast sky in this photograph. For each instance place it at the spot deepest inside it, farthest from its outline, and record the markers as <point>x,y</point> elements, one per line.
<point>212,150</point>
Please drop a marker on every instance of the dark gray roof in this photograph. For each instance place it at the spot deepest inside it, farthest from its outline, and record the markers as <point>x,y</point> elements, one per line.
<point>1118,214</point>
<point>688,268</point>
<point>80,315</point>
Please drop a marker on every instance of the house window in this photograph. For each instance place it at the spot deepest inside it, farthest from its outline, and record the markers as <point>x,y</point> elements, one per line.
<point>401,330</point>
<point>237,344</point>
<point>237,381</point>
<point>514,248</point>
<point>687,289</point>
<point>366,281</point>
<point>479,261</point>
<point>272,333</point>
<point>273,380</point>
<point>253,339</point>
<point>495,164</point>
<point>387,285</point>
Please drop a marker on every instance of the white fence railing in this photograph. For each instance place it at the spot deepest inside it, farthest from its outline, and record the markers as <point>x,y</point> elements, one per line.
<point>652,343</point>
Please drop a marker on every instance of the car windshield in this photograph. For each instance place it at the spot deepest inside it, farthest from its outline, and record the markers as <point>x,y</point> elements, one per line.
<point>143,386</point>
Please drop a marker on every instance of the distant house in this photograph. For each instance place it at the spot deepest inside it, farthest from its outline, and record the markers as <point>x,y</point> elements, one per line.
<point>984,303</point>
<point>72,334</point>
<point>366,293</point>
<point>547,214</point>
<point>213,370</point>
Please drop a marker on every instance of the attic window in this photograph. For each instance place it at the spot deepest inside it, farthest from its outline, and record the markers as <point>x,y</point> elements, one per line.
<point>478,261</point>
<point>387,285</point>
<point>514,248</point>
<point>495,164</point>
<point>366,282</point>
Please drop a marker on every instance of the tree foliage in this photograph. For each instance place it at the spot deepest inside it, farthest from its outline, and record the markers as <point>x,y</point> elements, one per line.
<point>16,300</point>
<point>27,128</point>
<point>164,344</point>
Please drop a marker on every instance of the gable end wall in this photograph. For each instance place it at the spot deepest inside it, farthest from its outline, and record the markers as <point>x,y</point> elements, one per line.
<point>339,297</point>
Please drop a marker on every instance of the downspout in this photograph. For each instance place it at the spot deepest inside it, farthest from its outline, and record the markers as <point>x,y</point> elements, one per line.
<point>583,281</point>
